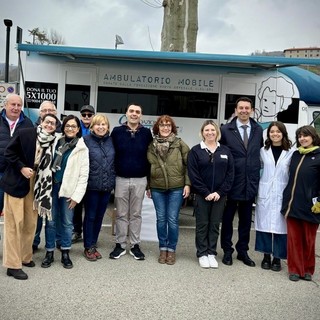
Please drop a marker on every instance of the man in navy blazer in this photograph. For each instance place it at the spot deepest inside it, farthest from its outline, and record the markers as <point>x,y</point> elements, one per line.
<point>243,136</point>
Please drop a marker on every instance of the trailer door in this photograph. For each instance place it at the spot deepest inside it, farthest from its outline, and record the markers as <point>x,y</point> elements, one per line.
<point>78,87</point>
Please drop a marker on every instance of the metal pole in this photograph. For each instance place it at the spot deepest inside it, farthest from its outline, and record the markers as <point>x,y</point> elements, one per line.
<point>8,24</point>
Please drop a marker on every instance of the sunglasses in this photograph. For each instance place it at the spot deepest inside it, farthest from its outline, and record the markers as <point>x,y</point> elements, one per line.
<point>88,115</point>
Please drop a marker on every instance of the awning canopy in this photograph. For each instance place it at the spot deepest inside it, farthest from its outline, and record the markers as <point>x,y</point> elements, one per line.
<point>308,84</point>
<point>80,53</point>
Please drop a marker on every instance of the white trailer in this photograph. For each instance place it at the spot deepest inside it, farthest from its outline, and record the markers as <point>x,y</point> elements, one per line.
<point>191,87</point>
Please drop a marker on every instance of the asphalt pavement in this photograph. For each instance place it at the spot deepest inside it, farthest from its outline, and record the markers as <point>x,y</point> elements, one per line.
<point>130,289</point>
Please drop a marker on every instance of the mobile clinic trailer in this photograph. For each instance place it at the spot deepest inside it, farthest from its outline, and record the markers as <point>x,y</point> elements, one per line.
<point>191,87</point>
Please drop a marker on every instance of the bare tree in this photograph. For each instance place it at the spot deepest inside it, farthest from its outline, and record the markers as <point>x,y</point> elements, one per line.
<point>42,37</point>
<point>180,25</point>
<point>55,37</point>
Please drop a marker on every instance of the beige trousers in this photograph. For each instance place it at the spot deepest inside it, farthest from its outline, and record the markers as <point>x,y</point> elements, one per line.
<point>20,222</point>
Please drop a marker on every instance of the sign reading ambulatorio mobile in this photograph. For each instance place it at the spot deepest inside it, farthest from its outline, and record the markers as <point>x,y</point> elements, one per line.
<point>158,80</point>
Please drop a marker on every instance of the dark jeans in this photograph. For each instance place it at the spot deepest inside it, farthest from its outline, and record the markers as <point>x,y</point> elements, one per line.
<point>208,217</point>
<point>77,218</point>
<point>272,243</point>
<point>244,226</point>
<point>95,204</point>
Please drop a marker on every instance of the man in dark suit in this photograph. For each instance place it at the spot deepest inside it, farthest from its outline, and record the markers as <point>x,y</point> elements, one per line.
<point>243,136</point>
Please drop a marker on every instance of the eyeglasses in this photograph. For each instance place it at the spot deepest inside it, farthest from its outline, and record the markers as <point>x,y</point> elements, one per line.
<point>86,115</point>
<point>71,126</point>
<point>52,123</point>
<point>163,125</point>
<point>48,110</point>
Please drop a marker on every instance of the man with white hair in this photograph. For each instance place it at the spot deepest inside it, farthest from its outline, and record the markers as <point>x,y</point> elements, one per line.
<point>12,119</point>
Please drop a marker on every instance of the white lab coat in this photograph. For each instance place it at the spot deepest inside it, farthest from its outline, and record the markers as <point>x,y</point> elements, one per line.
<point>273,180</point>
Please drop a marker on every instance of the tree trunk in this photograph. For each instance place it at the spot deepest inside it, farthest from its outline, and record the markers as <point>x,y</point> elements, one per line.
<point>180,25</point>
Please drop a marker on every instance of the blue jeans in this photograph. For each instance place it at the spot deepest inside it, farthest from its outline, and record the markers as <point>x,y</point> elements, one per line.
<point>37,239</point>
<point>167,205</point>
<point>60,214</point>
<point>95,205</point>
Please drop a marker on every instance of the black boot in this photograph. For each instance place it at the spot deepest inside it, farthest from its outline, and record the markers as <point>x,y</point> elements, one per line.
<point>65,259</point>
<point>276,264</point>
<point>266,262</point>
<point>46,263</point>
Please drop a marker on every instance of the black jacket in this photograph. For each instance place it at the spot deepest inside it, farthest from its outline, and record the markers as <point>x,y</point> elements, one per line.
<point>19,153</point>
<point>303,186</point>
<point>246,161</point>
<point>210,175</point>
<point>5,137</point>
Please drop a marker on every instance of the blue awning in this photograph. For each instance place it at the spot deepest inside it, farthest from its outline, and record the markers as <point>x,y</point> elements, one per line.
<point>78,53</point>
<point>308,84</point>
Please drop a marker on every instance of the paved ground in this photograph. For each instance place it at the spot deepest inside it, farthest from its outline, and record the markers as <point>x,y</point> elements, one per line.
<point>129,289</point>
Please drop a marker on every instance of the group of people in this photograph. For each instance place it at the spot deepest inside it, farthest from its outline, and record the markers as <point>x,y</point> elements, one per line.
<point>54,176</point>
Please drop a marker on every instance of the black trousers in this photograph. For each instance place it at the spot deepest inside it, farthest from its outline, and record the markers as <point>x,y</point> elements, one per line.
<point>208,218</point>
<point>245,217</point>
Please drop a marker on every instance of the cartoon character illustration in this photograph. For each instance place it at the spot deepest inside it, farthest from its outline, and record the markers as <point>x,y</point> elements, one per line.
<point>275,95</point>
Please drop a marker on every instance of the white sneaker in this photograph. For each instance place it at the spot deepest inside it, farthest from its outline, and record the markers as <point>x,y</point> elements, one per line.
<point>204,262</point>
<point>212,261</point>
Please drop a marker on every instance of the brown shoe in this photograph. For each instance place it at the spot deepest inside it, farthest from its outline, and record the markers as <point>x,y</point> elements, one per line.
<point>163,257</point>
<point>97,253</point>
<point>89,254</point>
<point>171,258</point>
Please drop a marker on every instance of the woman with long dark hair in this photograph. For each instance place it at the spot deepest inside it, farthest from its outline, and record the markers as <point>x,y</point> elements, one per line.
<point>270,225</point>
<point>70,175</point>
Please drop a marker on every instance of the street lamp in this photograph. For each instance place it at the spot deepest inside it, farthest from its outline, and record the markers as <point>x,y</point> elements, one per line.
<point>8,24</point>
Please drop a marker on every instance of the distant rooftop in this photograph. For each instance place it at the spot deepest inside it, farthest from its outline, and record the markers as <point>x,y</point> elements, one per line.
<point>299,49</point>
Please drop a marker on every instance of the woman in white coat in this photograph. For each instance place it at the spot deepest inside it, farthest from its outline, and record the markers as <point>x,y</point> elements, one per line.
<point>270,225</point>
<point>70,176</point>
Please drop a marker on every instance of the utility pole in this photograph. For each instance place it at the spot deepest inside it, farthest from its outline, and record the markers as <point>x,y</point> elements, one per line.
<point>8,24</point>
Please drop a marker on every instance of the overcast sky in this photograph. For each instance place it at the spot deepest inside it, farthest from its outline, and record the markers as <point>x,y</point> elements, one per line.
<point>225,26</point>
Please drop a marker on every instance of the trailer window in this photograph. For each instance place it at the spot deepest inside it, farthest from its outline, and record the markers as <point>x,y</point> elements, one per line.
<point>174,103</point>
<point>76,96</point>
<point>316,120</point>
<point>291,114</point>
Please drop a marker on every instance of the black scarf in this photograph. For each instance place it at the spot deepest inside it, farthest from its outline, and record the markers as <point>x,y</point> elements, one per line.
<point>64,147</point>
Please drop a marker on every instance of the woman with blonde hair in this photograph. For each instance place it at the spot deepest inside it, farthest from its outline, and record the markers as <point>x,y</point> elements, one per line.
<point>100,183</point>
<point>211,171</point>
